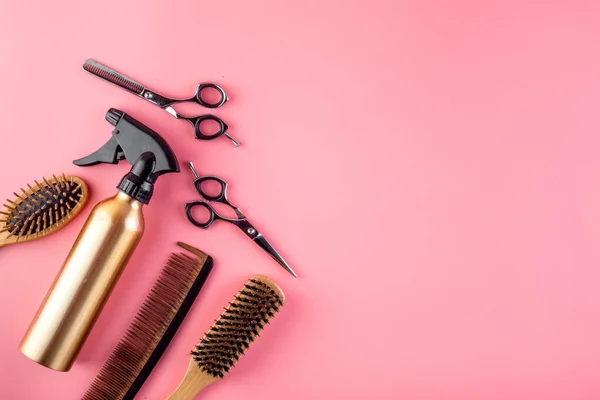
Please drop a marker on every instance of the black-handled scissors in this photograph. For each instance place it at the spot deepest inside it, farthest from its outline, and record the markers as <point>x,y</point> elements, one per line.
<point>166,103</point>
<point>241,221</point>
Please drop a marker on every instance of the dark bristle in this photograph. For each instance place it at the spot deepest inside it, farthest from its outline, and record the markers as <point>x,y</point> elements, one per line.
<point>237,327</point>
<point>152,329</point>
<point>48,199</point>
<point>112,76</point>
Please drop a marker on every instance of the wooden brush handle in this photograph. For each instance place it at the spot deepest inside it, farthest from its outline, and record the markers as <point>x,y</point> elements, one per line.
<point>193,382</point>
<point>4,235</point>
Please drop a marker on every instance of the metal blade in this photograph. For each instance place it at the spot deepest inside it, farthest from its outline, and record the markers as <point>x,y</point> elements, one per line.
<point>266,246</point>
<point>112,76</point>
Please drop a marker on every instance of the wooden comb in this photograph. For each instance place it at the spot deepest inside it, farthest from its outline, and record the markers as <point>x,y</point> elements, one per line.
<point>153,327</point>
<point>42,209</point>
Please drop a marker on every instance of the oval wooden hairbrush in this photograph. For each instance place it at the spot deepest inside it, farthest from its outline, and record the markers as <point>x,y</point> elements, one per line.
<point>42,209</point>
<point>231,334</point>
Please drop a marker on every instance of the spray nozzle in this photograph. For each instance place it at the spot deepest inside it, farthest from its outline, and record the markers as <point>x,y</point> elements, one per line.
<point>148,153</point>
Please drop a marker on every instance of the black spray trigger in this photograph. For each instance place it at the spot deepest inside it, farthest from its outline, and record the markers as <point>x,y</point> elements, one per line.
<point>110,153</point>
<point>148,153</point>
<point>135,139</point>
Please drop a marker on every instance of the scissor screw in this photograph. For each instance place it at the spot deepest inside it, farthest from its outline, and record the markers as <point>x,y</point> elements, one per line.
<point>251,231</point>
<point>148,95</point>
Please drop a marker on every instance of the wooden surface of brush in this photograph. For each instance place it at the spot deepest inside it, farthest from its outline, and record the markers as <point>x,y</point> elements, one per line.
<point>230,336</point>
<point>42,209</point>
<point>153,327</point>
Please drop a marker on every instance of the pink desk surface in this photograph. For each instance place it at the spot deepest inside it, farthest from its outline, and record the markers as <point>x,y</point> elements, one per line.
<point>430,169</point>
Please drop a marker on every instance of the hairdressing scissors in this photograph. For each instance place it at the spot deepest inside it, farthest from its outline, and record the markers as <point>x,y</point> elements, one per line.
<point>241,221</point>
<point>116,78</point>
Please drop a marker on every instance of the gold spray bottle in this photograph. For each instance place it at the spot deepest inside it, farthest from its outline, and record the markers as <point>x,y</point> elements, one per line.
<point>103,247</point>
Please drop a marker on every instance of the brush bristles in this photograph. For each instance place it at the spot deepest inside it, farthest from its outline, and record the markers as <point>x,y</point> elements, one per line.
<point>101,71</point>
<point>153,327</point>
<point>238,326</point>
<point>44,207</point>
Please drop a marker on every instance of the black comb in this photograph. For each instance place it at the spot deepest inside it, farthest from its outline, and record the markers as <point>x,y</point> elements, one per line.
<point>153,328</point>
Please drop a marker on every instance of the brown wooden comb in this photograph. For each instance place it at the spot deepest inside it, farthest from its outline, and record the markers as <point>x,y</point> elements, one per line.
<point>42,209</point>
<point>154,326</point>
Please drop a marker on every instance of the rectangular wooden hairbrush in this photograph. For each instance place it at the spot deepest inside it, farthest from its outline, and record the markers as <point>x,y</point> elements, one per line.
<point>230,336</point>
<point>42,209</point>
<point>152,329</point>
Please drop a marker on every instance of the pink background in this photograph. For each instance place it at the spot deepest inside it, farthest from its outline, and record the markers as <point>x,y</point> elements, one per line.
<point>430,169</point>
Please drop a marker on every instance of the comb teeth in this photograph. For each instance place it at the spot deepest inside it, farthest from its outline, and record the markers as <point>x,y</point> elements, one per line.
<point>153,327</point>
<point>44,207</point>
<point>238,326</point>
<point>102,71</point>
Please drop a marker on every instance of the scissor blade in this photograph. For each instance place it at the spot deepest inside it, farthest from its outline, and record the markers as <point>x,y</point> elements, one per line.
<point>266,246</point>
<point>112,76</point>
